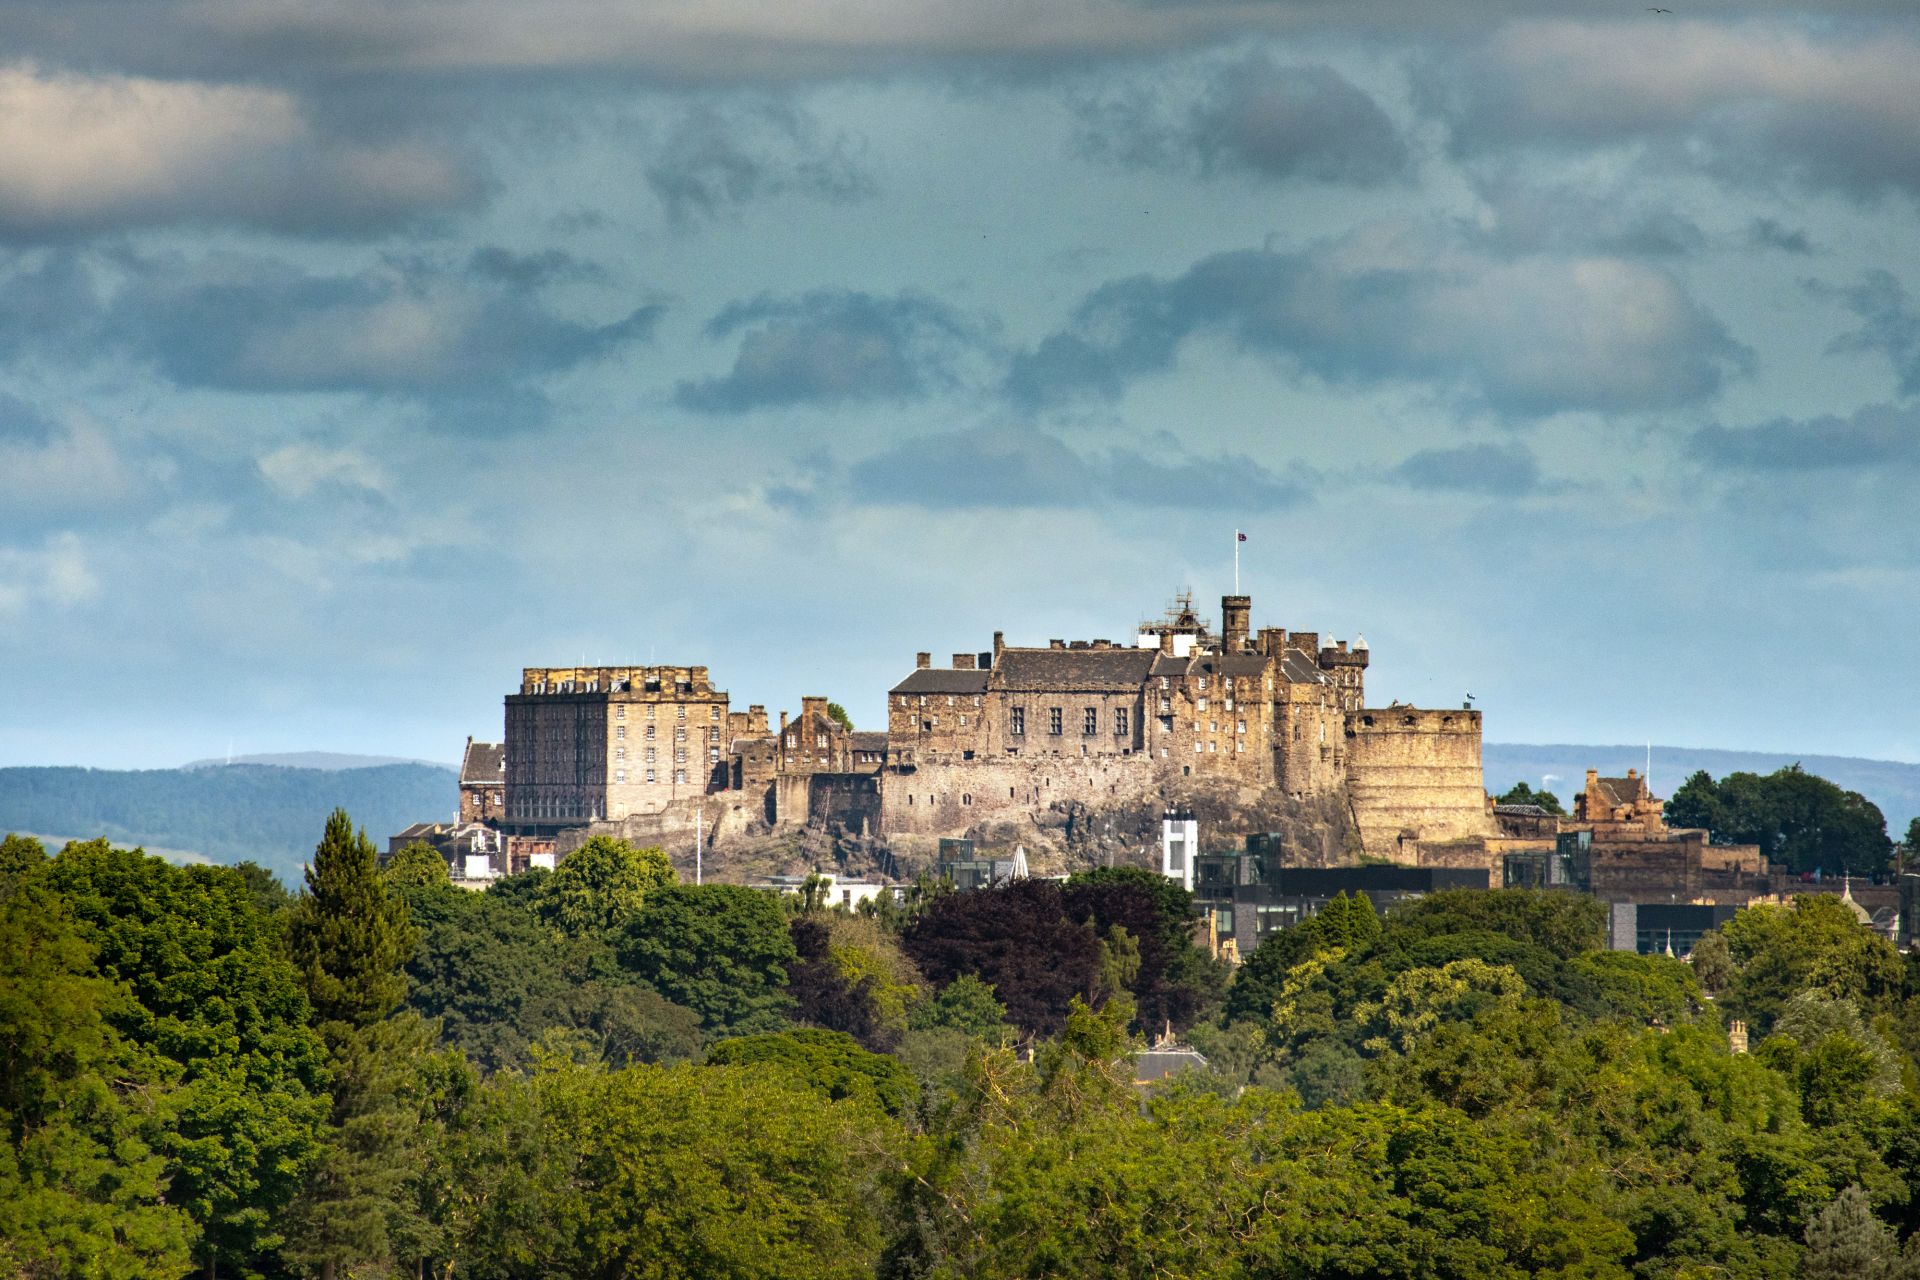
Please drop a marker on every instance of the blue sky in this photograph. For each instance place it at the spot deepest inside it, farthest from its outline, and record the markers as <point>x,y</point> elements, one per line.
<point>353,356</point>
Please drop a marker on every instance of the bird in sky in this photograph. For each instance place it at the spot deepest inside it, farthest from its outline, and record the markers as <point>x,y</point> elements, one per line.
<point>1659,11</point>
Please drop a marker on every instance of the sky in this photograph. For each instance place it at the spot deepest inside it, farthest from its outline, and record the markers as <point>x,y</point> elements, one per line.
<point>355,355</point>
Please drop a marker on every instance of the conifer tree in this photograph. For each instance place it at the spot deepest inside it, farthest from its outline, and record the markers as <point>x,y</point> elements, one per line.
<point>1846,1242</point>
<point>347,934</point>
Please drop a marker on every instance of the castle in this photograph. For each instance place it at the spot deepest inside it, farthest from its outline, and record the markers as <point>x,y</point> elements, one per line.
<point>998,734</point>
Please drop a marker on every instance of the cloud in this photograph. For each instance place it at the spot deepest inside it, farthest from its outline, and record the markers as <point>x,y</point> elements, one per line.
<point>1872,438</point>
<point>47,464</point>
<point>721,154</point>
<point>1888,326</point>
<point>1527,336</point>
<point>298,469</point>
<point>1748,102</point>
<point>1767,233</point>
<point>834,346</point>
<point>1251,115</point>
<point>408,327</point>
<point>1012,467</point>
<point>58,574</point>
<point>1498,470</point>
<point>1522,217</point>
<point>87,153</point>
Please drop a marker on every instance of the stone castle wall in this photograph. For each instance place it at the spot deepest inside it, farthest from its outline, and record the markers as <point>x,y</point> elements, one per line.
<point>1414,776</point>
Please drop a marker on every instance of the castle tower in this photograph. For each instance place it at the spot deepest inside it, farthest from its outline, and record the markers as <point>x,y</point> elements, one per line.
<point>1236,614</point>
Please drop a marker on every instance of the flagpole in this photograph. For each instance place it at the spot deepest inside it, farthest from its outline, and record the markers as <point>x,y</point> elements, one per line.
<point>1236,562</point>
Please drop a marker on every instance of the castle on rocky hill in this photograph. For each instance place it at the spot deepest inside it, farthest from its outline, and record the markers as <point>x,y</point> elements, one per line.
<point>1000,736</point>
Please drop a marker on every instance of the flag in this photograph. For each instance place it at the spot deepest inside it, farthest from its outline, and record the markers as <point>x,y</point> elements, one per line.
<point>1240,535</point>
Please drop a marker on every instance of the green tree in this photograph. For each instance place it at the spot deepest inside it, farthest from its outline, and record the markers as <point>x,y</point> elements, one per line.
<point>720,950</point>
<point>1846,1242</point>
<point>966,1004</point>
<point>212,994</point>
<point>348,936</point>
<point>1796,818</point>
<point>1814,944</point>
<point>829,1062</point>
<point>726,1171</point>
<point>82,1193</point>
<point>20,856</point>
<point>601,885</point>
<point>838,714</point>
<point>418,865</point>
<point>1521,793</point>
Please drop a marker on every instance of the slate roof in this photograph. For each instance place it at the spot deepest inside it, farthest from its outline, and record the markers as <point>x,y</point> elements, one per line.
<point>1301,668</point>
<point>942,680</point>
<point>1041,669</point>
<point>1620,791</point>
<point>1159,1063</point>
<point>1521,811</point>
<point>485,764</point>
<point>865,741</point>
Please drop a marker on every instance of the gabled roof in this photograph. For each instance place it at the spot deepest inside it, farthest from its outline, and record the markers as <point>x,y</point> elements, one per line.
<point>942,680</point>
<point>1301,668</point>
<point>864,740</point>
<point>1620,791</point>
<point>1076,669</point>
<point>484,764</point>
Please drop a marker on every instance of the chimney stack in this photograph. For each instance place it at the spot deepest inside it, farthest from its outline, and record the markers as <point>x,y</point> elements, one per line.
<point>922,661</point>
<point>964,661</point>
<point>813,706</point>
<point>783,722</point>
<point>999,646</point>
<point>1166,643</point>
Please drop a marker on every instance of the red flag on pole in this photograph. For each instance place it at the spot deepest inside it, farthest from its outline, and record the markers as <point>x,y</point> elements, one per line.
<point>1239,535</point>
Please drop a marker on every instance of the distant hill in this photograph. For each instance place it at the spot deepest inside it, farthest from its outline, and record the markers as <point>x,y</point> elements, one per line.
<point>269,813</point>
<point>329,760</point>
<point>1895,787</point>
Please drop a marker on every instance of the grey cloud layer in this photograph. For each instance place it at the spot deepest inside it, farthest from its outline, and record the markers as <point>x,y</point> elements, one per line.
<point>1750,103</point>
<point>1877,436</point>
<point>832,347</point>
<point>405,327</point>
<point>81,154</point>
<point>1013,467</point>
<point>1528,336</point>
<point>1251,115</point>
<point>1475,468</point>
<point>719,154</point>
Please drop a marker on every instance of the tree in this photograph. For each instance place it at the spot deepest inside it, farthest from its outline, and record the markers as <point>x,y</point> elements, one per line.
<point>601,885</point>
<point>211,993</point>
<point>1019,939</point>
<point>1816,943</point>
<point>348,936</point>
<point>838,714</point>
<point>82,1193</point>
<point>1846,1242</point>
<point>967,1005</point>
<point>721,950</point>
<point>1521,793</point>
<point>20,856</point>
<point>419,865</point>
<point>1796,818</point>
<point>725,1171</point>
<point>828,1062</point>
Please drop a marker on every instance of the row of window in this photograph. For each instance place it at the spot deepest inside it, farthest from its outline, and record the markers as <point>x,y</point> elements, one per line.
<point>679,776</point>
<point>1056,721</point>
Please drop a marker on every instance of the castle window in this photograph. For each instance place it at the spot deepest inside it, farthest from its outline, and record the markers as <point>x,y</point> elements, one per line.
<point>1242,727</point>
<point>963,722</point>
<point>1203,704</point>
<point>650,756</point>
<point>620,731</point>
<point>1091,720</point>
<point>649,733</point>
<point>966,799</point>
<point>619,775</point>
<point>1203,682</point>
<point>681,710</point>
<point>680,733</point>
<point>1198,746</point>
<point>1164,753</point>
<point>649,711</point>
<point>650,775</point>
<point>1120,722</point>
<point>1229,704</point>
<point>819,739</point>
<point>1209,744</point>
<point>680,777</point>
<point>619,713</point>
<point>1017,722</point>
<point>1239,746</point>
<point>1054,719</point>
<point>619,753</point>
<point>715,712</point>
